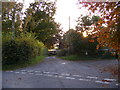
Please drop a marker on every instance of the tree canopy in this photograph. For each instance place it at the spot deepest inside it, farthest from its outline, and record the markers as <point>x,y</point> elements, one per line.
<point>107,28</point>
<point>85,23</point>
<point>77,43</point>
<point>39,19</point>
<point>10,11</point>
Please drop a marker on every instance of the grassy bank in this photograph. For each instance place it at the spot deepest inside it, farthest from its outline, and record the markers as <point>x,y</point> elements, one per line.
<point>82,57</point>
<point>33,61</point>
<point>76,57</point>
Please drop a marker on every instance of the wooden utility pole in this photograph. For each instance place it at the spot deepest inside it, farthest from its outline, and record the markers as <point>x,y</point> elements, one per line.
<point>13,23</point>
<point>69,22</point>
<point>69,38</point>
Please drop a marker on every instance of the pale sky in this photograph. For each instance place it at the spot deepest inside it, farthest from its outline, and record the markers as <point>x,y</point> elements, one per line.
<point>65,8</point>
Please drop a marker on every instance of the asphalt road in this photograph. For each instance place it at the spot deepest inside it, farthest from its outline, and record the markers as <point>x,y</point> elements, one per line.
<point>57,73</point>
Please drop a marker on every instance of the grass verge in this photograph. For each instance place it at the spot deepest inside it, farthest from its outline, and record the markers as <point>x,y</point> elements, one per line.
<point>81,57</point>
<point>76,57</point>
<point>33,61</point>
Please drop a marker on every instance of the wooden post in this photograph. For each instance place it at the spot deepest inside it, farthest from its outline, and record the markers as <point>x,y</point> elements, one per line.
<point>69,22</point>
<point>13,24</point>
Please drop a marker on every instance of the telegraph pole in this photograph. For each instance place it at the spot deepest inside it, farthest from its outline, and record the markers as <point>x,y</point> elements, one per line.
<point>69,38</point>
<point>69,22</point>
<point>13,23</point>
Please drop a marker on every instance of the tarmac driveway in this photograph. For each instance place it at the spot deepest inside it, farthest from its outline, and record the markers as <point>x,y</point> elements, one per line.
<point>57,73</point>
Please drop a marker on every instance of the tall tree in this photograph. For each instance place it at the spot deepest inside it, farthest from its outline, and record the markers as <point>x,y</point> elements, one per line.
<point>86,23</point>
<point>11,16</point>
<point>77,43</point>
<point>40,20</point>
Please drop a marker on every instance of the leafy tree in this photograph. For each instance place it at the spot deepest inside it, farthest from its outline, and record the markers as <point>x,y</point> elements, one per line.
<point>39,20</point>
<point>11,16</point>
<point>37,13</point>
<point>107,28</point>
<point>77,43</point>
<point>85,23</point>
<point>54,39</point>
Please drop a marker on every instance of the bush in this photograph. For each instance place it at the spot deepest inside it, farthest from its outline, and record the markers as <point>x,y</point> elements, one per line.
<point>63,52</point>
<point>21,49</point>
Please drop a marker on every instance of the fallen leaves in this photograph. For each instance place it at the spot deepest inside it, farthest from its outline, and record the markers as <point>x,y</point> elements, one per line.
<point>106,81</point>
<point>112,69</point>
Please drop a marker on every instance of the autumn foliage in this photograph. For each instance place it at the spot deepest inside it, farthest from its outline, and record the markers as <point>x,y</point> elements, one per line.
<point>107,29</point>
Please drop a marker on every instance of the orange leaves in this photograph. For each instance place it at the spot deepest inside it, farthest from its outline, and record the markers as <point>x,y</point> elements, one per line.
<point>101,21</point>
<point>98,46</point>
<point>91,40</point>
<point>109,23</point>
<point>106,27</point>
<point>107,7</point>
<point>86,5</point>
<point>107,17</point>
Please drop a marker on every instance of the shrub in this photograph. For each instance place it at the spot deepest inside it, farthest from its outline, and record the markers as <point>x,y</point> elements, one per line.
<point>9,50</point>
<point>44,51</point>
<point>21,49</point>
<point>63,52</point>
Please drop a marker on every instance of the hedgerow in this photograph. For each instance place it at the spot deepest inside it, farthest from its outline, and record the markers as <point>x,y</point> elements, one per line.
<point>22,48</point>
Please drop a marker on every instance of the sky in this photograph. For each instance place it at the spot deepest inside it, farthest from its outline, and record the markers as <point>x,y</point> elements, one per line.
<point>65,9</point>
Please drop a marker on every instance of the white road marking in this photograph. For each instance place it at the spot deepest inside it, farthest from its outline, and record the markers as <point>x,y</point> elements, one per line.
<point>102,82</point>
<point>46,72</point>
<point>37,71</point>
<point>63,63</point>
<point>55,76</point>
<point>92,77</point>
<point>10,71</point>
<point>31,73</point>
<point>23,70</point>
<point>48,75</point>
<point>60,76</point>
<point>117,84</point>
<point>83,79</point>
<point>69,78</point>
<point>17,72</point>
<point>53,73</point>
<point>77,75</point>
<point>38,74</point>
<point>110,79</point>
<point>80,79</point>
<point>67,74</point>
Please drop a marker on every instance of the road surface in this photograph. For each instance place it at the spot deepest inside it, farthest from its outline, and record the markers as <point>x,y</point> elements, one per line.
<point>57,73</point>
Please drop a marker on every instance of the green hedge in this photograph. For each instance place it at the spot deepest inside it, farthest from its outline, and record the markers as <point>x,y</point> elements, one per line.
<point>21,49</point>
